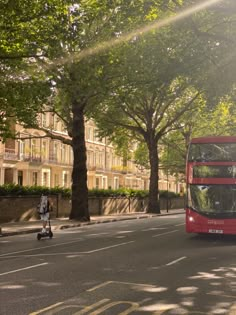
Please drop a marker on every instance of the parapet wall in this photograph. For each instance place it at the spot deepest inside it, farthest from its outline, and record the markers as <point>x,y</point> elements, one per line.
<point>23,208</point>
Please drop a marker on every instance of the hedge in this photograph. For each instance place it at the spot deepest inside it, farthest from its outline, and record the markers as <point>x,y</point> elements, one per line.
<point>17,190</point>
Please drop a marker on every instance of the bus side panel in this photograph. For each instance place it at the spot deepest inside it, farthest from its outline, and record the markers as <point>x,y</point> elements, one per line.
<point>196,223</point>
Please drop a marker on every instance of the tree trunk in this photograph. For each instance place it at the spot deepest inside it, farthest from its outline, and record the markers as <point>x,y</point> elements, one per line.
<point>153,201</point>
<point>79,200</point>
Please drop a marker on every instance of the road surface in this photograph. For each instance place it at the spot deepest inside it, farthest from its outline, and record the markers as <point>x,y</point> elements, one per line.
<point>146,266</point>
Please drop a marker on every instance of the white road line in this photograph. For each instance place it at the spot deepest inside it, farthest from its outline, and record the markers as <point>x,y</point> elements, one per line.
<point>67,253</point>
<point>154,229</point>
<point>175,261</point>
<point>99,286</point>
<point>26,268</point>
<point>108,247</point>
<point>44,255</point>
<point>180,224</point>
<point>97,234</point>
<point>37,248</point>
<point>165,233</point>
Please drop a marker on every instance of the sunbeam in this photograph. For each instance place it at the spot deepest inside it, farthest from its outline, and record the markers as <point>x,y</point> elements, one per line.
<point>103,46</point>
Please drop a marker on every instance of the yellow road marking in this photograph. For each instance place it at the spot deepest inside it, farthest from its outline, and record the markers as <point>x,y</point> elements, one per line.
<point>90,307</point>
<point>46,309</point>
<point>133,307</point>
<point>119,282</point>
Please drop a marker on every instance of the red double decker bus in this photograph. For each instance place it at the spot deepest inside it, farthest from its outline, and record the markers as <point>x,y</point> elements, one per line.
<point>211,185</point>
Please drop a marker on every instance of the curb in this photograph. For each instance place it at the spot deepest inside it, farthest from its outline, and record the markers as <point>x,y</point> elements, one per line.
<point>30,231</point>
<point>73,225</point>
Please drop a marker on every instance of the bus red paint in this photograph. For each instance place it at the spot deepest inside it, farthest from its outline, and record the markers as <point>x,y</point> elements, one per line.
<point>211,185</point>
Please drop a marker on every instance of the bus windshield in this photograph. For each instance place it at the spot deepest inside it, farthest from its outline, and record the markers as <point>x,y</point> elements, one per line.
<point>213,200</point>
<point>214,171</point>
<point>212,152</point>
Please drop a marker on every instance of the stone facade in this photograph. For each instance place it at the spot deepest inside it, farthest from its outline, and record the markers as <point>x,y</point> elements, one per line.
<point>48,162</point>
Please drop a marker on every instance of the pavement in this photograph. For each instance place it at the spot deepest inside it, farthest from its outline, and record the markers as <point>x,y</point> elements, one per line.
<point>25,227</point>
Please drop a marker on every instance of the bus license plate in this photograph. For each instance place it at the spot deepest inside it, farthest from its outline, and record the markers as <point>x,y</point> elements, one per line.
<point>216,231</point>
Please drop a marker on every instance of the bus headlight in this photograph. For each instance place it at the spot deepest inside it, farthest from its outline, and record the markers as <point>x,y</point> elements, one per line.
<point>191,219</point>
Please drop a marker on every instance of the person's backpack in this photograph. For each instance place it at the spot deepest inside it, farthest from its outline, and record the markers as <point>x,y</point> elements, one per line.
<point>42,208</point>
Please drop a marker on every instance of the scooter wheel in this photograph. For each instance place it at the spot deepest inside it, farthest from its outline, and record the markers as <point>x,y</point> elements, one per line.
<point>50,234</point>
<point>38,236</point>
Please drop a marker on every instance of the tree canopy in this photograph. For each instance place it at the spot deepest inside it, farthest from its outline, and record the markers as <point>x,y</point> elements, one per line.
<point>146,64</point>
<point>166,75</point>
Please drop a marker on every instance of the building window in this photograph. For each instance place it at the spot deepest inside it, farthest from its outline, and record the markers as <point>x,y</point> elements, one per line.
<point>56,180</point>
<point>89,133</point>
<point>21,150</point>
<point>116,182</point>
<point>33,148</point>
<point>35,178</point>
<point>44,149</point>
<point>100,159</point>
<point>71,155</point>
<point>110,183</point>
<point>63,154</point>
<point>96,136</point>
<point>65,179</point>
<point>55,150</point>
<point>20,178</point>
<point>45,178</point>
<point>128,182</point>
<point>96,159</point>
<point>97,183</point>
<point>108,161</point>
<point>90,158</point>
<point>104,182</point>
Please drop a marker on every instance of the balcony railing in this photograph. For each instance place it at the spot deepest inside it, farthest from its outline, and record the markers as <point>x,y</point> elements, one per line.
<point>117,170</point>
<point>10,155</point>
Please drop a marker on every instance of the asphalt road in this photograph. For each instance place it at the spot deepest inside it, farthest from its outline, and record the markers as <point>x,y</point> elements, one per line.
<point>146,266</point>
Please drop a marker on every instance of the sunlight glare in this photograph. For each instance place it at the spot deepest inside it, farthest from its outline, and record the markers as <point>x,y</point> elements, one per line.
<point>141,31</point>
<point>187,290</point>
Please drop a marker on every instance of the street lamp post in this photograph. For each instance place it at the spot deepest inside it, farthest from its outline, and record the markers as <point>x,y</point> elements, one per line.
<point>167,177</point>
<point>167,198</point>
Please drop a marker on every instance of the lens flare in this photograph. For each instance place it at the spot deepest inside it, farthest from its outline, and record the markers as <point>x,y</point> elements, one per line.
<point>103,46</point>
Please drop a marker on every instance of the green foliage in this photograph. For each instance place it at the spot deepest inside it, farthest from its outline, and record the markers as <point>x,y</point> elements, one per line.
<point>144,85</point>
<point>30,33</point>
<point>121,192</point>
<point>141,155</point>
<point>168,194</point>
<point>220,120</point>
<point>17,190</point>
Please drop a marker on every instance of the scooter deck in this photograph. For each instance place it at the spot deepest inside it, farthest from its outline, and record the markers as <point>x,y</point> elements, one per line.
<point>44,234</point>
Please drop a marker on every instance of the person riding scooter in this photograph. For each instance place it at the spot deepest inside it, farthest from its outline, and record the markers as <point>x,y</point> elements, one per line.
<point>44,208</point>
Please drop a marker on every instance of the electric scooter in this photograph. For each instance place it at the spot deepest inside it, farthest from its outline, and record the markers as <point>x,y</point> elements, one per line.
<point>48,232</point>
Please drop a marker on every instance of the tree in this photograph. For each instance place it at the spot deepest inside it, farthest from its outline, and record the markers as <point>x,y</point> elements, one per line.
<point>165,76</point>
<point>219,121</point>
<point>44,49</point>
<point>81,79</point>
<point>70,42</point>
<point>150,105</point>
<point>30,33</point>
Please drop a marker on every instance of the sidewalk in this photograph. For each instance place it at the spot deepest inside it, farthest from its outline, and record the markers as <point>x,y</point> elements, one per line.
<point>15,228</point>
